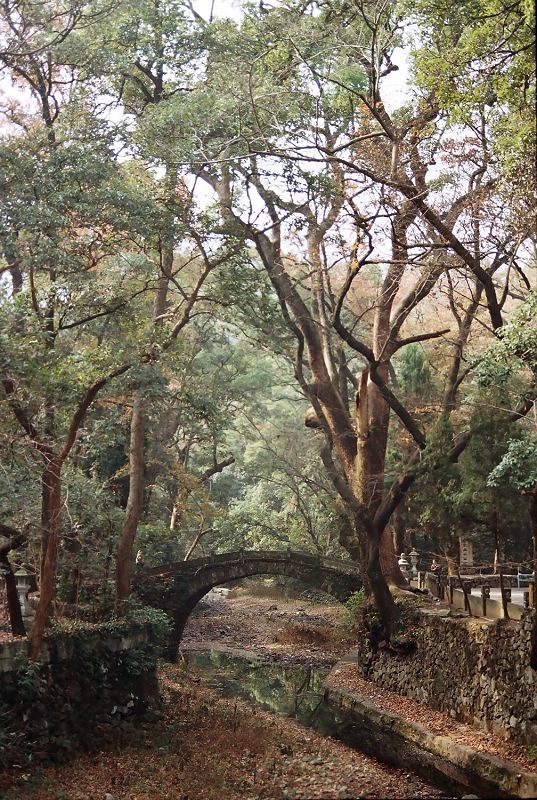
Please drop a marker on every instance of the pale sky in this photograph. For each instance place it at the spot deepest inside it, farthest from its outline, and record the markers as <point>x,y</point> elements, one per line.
<point>395,85</point>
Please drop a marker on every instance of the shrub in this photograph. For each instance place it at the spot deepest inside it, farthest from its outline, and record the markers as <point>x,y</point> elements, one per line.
<point>351,611</point>
<point>298,633</point>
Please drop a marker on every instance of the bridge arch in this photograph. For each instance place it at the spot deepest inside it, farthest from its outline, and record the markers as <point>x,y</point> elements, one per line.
<point>178,588</point>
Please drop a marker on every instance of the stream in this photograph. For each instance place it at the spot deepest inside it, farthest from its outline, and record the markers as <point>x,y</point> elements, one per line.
<point>289,690</point>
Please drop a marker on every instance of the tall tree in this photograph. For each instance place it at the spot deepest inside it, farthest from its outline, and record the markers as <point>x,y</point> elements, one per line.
<point>322,163</point>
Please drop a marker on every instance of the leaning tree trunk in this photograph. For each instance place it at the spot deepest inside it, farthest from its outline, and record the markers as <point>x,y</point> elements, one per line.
<point>134,503</point>
<point>52,482</point>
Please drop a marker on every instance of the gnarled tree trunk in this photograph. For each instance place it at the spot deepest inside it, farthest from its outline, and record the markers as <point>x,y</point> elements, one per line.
<point>134,503</point>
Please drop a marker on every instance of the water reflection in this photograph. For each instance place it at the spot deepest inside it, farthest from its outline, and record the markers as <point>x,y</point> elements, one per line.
<point>293,691</point>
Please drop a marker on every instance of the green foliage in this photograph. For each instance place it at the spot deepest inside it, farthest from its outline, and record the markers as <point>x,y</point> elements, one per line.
<point>518,467</point>
<point>353,608</point>
<point>157,622</point>
<point>477,58</point>
<point>414,373</point>
<point>355,602</point>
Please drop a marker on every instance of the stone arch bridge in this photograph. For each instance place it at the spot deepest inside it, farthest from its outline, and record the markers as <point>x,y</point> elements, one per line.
<point>177,588</point>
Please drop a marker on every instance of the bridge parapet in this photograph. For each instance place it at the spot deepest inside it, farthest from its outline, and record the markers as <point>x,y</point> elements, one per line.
<point>298,556</point>
<point>177,588</point>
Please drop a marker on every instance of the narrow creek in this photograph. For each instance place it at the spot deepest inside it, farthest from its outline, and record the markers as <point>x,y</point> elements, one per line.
<point>286,689</point>
<point>291,690</point>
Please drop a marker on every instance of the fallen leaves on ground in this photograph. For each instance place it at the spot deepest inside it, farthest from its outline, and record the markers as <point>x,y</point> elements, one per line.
<point>346,677</point>
<point>206,746</point>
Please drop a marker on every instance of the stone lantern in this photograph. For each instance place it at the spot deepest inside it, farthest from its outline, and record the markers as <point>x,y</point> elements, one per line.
<point>414,556</point>
<point>404,565</point>
<point>24,583</point>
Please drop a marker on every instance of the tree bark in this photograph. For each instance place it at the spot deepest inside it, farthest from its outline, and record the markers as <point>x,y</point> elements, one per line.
<point>134,503</point>
<point>372,422</point>
<point>16,540</point>
<point>52,487</point>
<point>383,597</point>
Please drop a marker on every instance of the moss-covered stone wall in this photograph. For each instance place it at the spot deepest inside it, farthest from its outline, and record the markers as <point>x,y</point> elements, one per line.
<point>85,681</point>
<point>475,670</point>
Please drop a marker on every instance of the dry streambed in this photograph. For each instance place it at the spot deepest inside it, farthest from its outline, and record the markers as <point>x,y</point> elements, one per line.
<point>209,747</point>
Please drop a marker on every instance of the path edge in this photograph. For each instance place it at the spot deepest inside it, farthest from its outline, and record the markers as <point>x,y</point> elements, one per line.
<point>409,745</point>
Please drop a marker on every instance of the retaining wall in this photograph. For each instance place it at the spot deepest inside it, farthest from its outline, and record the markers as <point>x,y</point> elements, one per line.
<point>475,670</point>
<point>84,682</point>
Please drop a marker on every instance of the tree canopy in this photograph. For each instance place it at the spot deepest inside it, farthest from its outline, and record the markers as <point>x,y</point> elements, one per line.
<point>255,291</point>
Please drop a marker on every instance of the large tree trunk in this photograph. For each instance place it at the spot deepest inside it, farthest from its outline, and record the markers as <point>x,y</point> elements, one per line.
<point>383,597</point>
<point>373,419</point>
<point>533,519</point>
<point>134,503</point>
<point>52,486</point>
<point>389,561</point>
<point>12,597</point>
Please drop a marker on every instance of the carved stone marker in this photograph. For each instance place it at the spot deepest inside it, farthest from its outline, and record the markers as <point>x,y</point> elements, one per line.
<point>467,553</point>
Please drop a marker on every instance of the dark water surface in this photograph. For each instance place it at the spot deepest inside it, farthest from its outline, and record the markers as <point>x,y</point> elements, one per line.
<point>290,690</point>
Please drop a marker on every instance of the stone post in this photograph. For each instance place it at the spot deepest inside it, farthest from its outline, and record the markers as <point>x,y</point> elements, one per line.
<point>23,579</point>
<point>485,595</point>
<point>404,566</point>
<point>414,555</point>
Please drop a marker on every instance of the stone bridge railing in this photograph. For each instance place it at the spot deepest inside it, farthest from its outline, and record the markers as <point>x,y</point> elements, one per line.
<point>296,556</point>
<point>177,588</point>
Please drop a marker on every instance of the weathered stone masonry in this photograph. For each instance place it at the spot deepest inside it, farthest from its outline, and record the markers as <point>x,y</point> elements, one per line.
<point>83,680</point>
<point>474,669</point>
